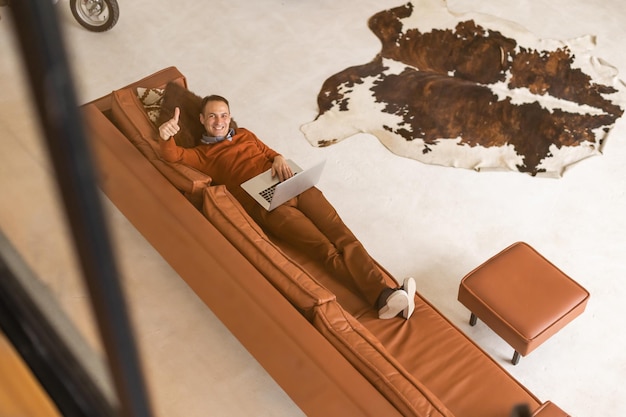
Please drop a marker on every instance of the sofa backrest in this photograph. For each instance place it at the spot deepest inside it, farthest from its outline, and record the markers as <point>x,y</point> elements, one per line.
<point>296,284</point>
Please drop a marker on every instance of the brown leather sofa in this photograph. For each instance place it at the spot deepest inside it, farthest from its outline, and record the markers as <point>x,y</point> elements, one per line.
<point>316,337</point>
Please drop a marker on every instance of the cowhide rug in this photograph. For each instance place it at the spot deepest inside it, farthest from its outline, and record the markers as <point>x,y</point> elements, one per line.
<point>472,91</point>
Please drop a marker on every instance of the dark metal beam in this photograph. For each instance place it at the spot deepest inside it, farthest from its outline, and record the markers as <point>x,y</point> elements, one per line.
<point>53,94</point>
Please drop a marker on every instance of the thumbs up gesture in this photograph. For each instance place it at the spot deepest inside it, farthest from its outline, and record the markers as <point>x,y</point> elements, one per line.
<point>171,127</point>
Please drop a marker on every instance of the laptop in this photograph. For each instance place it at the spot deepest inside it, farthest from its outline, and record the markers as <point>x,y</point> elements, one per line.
<point>271,193</point>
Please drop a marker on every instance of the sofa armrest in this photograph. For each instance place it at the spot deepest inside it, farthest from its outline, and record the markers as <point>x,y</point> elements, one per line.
<point>187,180</point>
<point>132,120</point>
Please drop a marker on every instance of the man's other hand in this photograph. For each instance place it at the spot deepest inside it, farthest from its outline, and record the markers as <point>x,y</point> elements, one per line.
<point>281,168</point>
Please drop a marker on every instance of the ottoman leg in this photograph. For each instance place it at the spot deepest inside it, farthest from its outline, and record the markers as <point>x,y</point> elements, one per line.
<point>515,359</point>
<point>473,319</point>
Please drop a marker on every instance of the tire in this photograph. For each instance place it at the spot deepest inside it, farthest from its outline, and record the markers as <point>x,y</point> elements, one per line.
<point>95,15</point>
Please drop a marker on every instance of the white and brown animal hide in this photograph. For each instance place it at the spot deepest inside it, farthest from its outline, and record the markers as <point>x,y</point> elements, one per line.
<point>472,91</point>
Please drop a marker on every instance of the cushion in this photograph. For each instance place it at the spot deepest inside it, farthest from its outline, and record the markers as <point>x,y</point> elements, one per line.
<point>366,353</point>
<point>130,117</point>
<point>191,129</point>
<point>151,98</point>
<point>296,284</point>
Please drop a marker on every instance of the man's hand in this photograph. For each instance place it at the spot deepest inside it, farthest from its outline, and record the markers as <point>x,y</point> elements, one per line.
<point>171,127</point>
<point>281,168</point>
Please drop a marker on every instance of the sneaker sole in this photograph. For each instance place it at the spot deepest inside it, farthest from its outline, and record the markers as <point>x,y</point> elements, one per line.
<point>410,287</point>
<point>396,303</point>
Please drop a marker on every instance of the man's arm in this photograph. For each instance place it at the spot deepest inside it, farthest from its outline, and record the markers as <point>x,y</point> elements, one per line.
<point>171,127</point>
<point>168,149</point>
<point>280,167</point>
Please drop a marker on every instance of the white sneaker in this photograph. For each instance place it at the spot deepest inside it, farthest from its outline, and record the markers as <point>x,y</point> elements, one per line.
<point>397,302</point>
<point>409,286</point>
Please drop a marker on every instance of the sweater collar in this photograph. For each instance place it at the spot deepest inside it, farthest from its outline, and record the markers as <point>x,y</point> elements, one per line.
<point>209,140</point>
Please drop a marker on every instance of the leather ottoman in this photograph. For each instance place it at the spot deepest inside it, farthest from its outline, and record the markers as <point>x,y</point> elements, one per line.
<point>522,297</point>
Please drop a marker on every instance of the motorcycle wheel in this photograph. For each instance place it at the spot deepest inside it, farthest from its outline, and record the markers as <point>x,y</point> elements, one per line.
<point>95,15</point>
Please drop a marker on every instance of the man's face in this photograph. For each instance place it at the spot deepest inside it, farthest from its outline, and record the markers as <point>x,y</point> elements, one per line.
<point>216,118</point>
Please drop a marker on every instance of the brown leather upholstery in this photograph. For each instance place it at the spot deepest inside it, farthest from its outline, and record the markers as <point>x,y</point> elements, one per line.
<point>549,409</point>
<point>354,341</point>
<point>369,356</point>
<point>392,366</point>
<point>315,335</point>
<point>522,296</point>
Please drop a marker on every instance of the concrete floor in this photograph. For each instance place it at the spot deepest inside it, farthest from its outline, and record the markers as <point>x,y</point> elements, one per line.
<point>270,59</point>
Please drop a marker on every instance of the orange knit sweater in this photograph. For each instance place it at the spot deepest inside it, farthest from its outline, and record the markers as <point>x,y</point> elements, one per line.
<point>228,162</point>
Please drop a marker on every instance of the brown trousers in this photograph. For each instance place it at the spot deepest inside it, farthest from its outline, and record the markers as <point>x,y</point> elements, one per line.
<point>311,224</point>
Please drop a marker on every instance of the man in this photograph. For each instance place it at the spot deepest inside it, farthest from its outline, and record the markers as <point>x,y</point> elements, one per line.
<point>309,222</point>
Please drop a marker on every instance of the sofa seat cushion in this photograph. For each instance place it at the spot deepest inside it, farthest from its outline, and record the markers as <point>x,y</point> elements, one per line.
<point>409,395</point>
<point>451,365</point>
<point>295,283</point>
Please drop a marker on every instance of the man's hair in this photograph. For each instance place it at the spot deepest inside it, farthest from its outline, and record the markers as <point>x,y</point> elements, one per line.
<point>213,97</point>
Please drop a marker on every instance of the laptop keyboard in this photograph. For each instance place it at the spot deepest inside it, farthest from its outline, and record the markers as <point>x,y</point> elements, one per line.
<point>268,193</point>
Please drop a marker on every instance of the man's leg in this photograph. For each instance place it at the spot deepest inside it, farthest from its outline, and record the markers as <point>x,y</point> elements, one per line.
<point>309,223</point>
<point>359,263</point>
<point>364,270</point>
<point>289,223</point>
<point>292,226</point>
